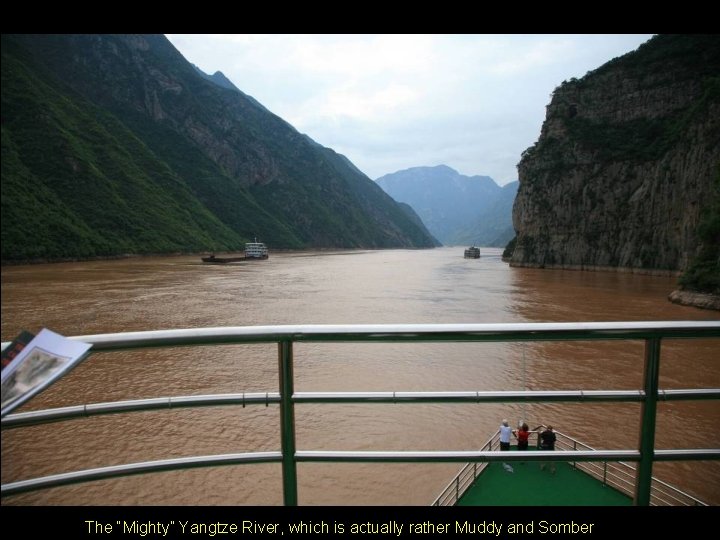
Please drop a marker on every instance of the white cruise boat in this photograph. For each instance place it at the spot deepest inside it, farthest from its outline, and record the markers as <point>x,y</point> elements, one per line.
<point>256,250</point>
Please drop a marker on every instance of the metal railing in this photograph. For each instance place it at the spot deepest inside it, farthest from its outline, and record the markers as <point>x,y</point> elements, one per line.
<point>617,475</point>
<point>466,477</point>
<point>285,336</point>
<point>621,476</point>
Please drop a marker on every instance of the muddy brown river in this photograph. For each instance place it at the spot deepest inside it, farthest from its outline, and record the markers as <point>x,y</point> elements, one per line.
<point>394,286</point>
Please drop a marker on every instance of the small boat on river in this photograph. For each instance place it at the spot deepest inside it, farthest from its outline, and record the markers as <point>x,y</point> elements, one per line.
<point>254,251</point>
<point>472,253</point>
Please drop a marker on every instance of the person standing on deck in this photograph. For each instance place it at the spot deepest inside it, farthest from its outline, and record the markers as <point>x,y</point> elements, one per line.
<point>505,434</point>
<point>522,437</point>
<point>547,442</point>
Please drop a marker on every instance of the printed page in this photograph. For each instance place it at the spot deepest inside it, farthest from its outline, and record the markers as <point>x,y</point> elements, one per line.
<point>41,362</point>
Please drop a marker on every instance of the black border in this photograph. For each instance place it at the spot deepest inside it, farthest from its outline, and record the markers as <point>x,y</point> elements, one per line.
<point>607,521</point>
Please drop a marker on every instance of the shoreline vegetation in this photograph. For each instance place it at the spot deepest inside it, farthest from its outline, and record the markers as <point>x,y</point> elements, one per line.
<point>205,253</point>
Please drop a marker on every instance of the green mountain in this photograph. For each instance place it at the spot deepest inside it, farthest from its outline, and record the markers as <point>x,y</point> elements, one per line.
<point>457,209</point>
<point>115,144</point>
<point>625,172</point>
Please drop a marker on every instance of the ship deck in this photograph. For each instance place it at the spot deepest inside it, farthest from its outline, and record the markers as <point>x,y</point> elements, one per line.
<point>527,485</point>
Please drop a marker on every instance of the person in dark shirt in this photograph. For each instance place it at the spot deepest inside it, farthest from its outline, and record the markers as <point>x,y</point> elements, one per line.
<point>547,442</point>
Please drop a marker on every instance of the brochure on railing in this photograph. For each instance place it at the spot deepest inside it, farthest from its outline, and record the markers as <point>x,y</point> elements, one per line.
<point>36,365</point>
<point>16,346</point>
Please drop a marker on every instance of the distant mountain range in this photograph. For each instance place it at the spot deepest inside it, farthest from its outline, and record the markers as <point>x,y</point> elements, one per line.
<point>115,144</point>
<point>457,209</point>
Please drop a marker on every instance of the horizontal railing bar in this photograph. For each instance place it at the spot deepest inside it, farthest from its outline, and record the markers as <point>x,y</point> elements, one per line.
<point>93,409</point>
<point>515,455</point>
<point>471,396</point>
<point>344,456</point>
<point>403,332</point>
<point>143,467</point>
<point>113,407</point>
<point>689,394</point>
<point>464,455</point>
<point>688,454</point>
<point>501,396</point>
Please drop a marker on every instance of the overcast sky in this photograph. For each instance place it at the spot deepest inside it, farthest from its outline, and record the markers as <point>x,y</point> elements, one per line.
<point>390,102</point>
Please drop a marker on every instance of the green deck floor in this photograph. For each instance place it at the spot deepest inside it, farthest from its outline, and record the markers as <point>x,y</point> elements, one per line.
<point>527,485</point>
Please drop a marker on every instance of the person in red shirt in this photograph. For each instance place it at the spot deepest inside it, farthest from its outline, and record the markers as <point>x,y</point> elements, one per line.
<point>522,435</point>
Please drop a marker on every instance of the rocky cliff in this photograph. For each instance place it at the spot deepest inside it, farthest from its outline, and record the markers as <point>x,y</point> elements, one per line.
<point>624,165</point>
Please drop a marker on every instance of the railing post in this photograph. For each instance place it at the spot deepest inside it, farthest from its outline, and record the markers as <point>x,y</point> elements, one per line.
<point>604,473</point>
<point>287,423</point>
<point>574,448</point>
<point>648,416</point>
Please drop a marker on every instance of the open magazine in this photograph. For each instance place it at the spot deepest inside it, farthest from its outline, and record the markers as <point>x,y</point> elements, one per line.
<point>31,365</point>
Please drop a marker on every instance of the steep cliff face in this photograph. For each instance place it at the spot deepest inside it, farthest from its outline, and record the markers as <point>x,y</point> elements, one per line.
<point>625,162</point>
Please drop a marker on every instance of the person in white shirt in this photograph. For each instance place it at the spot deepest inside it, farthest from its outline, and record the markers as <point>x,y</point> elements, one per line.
<point>505,433</point>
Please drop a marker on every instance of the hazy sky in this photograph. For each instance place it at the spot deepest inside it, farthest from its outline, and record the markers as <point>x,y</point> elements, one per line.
<point>389,102</point>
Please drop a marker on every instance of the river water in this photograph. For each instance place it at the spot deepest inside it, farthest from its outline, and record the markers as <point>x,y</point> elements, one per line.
<point>394,286</point>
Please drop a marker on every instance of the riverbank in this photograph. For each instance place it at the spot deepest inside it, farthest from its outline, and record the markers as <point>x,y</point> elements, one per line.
<point>22,262</point>
<point>312,250</point>
<point>595,268</point>
<point>678,296</point>
<point>695,299</point>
